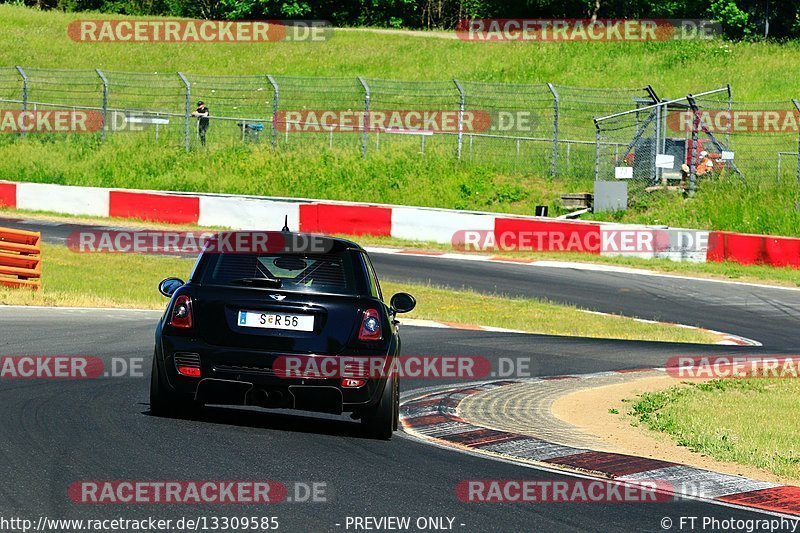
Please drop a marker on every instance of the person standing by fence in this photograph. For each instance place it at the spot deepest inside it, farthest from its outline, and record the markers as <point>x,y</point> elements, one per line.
<point>202,113</point>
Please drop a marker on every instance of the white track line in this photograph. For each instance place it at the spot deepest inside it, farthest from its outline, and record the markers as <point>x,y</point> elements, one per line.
<point>595,267</point>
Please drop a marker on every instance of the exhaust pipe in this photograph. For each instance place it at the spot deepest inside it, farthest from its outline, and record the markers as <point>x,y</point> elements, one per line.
<point>259,397</point>
<point>277,397</point>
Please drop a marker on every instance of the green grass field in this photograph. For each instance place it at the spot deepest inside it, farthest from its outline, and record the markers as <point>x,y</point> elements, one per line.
<point>396,172</point>
<point>131,280</point>
<point>726,420</point>
<point>40,39</point>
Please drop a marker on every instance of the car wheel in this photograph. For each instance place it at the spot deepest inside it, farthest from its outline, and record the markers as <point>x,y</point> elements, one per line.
<point>396,421</point>
<point>381,419</point>
<point>164,402</point>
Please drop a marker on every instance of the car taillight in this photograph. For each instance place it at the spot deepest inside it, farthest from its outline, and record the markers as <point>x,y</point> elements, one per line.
<point>189,371</point>
<point>370,326</point>
<point>182,313</point>
<point>188,364</point>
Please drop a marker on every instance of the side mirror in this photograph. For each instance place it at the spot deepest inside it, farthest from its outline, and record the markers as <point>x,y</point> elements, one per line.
<point>168,286</point>
<point>403,302</point>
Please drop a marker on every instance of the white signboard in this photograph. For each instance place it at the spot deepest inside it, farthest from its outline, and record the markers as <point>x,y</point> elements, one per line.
<point>665,161</point>
<point>623,173</point>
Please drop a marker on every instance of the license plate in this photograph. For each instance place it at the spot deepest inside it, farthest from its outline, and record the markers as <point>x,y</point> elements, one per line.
<point>256,319</point>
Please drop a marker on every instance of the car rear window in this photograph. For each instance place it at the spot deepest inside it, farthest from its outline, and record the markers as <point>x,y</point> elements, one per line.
<point>328,273</point>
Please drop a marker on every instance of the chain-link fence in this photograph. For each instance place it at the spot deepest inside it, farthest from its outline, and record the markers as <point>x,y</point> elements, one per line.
<point>626,147</point>
<point>531,129</point>
<point>757,135</point>
<point>578,106</point>
<point>535,129</point>
<point>684,142</point>
<point>681,143</point>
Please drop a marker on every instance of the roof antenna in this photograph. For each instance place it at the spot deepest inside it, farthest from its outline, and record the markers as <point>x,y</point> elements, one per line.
<point>286,223</point>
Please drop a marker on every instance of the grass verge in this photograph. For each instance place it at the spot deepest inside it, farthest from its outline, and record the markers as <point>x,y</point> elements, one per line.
<point>127,280</point>
<point>782,277</point>
<point>750,421</point>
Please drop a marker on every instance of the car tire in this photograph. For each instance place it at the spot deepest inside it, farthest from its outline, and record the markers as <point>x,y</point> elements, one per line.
<point>396,419</point>
<point>381,420</point>
<point>164,402</point>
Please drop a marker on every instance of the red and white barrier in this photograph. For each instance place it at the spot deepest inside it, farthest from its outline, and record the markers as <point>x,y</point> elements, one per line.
<point>247,213</point>
<point>86,201</point>
<point>436,225</point>
<point>349,219</point>
<point>404,222</point>
<point>749,249</point>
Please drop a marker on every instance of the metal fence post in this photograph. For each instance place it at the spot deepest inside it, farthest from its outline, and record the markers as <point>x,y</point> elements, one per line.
<point>661,124</point>
<point>462,104</point>
<point>275,102</point>
<point>730,114</point>
<point>553,169</point>
<point>365,132</point>
<point>105,103</point>
<point>188,111</point>
<point>24,95</point>
<point>655,99</point>
<point>657,145</point>
<point>693,151</point>
<point>597,151</point>
<point>797,105</point>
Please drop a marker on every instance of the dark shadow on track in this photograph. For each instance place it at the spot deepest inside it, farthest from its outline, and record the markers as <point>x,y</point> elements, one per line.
<point>271,420</point>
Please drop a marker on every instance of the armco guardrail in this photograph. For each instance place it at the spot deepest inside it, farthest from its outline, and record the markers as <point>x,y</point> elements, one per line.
<point>20,258</point>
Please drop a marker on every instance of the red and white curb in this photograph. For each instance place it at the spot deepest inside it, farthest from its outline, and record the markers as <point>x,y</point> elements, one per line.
<point>433,417</point>
<point>423,323</point>
<point>403,222</point>
<point>724,338</point>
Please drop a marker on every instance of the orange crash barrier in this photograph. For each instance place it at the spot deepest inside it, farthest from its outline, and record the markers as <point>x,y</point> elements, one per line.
<point>20,258</point>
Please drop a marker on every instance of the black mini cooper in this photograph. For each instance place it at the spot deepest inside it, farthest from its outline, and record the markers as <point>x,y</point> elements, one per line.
<point>280,320</point>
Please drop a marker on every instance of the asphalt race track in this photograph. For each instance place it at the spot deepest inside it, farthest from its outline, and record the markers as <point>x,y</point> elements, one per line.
<point>58,432</point>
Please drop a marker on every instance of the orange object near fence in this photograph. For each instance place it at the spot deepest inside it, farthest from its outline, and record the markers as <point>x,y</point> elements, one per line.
<point>20,258</point>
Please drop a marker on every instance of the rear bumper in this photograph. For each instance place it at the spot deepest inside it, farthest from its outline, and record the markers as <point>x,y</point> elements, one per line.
<point>235,376</point>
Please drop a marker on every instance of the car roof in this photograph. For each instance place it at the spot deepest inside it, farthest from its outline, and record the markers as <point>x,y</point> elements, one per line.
<point>335,244</point>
